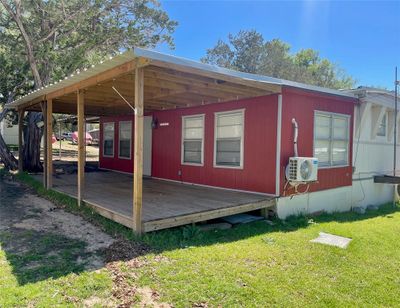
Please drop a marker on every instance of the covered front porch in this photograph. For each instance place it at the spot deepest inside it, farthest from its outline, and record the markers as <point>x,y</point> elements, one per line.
<point>165,203</point>
<point>135,83</point>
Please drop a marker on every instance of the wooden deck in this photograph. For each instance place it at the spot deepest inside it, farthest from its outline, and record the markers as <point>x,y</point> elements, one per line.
<point>165,204</point>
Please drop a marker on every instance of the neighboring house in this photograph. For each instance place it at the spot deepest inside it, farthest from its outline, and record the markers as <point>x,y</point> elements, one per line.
<point>9,132</point>
<point>374,145</point>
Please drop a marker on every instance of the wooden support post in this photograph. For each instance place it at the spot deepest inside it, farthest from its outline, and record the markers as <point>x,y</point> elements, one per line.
<point>21,113</point>
<point>49,137</point>
<point>81,145</point>
<point>264,213</point>
<point>44,112</point>
<point>138,152</point>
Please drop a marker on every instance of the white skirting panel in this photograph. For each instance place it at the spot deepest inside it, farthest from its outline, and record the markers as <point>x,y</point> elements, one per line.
<point>340,199</point>
<point>331,200</point>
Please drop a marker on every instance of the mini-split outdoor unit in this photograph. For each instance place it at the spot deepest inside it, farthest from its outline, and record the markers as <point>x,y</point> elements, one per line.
<point>302,169</point>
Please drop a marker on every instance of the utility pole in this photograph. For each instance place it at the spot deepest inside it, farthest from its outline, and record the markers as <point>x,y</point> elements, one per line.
<point>396,83</point>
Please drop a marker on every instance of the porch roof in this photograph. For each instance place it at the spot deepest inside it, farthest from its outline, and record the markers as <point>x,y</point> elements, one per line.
<point>169,82</point>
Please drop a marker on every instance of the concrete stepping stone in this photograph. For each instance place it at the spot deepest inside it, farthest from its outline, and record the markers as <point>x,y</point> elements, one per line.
<point>332,240</point>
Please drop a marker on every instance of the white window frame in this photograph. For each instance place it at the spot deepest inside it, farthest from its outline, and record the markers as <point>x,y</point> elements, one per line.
<point>331,139</point>
<point>216,114</point>
<point>104,130</point>
<point>202,116</point>
<point>383,137</point>
<point>119,139</point>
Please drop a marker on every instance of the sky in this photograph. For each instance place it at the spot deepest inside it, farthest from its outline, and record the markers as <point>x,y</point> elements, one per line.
<point>362,37</point>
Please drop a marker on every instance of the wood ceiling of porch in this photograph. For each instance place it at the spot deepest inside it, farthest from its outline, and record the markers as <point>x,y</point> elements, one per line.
<point>164,88</point>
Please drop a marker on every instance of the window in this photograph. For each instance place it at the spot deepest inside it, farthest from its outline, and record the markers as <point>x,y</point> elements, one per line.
<point>382,127</point>
<point>331,139</point>
<point>192,139</point>
<point>125,134</point>
<point>229,139</point>
<point>108,139</point>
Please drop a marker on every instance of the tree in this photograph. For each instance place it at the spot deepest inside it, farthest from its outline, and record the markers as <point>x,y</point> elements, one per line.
<point>45,40</point>
<point>249,52</point>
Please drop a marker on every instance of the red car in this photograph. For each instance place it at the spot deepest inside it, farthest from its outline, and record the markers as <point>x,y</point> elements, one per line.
<point>88,138</point>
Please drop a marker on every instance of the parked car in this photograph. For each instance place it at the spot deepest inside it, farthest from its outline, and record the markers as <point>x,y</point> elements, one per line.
<point>66,136</point>
<point>88,138</point>
<point>58,136</point>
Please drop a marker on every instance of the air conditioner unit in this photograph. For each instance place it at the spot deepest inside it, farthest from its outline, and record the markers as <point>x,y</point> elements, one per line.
<point>302,169</point>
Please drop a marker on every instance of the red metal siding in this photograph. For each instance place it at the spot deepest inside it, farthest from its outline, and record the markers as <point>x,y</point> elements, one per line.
<point>300,104</point>
<point>115,163</point>
<point>258,173</point>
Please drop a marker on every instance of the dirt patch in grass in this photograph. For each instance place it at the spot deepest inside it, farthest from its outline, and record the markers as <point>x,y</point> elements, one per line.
<point>46,217</point>
<point>124,287</point>
<point>122,250</point>
<point>42,240</point>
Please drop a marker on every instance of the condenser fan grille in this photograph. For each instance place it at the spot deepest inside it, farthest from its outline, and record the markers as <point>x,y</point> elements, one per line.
<point>305,169</point>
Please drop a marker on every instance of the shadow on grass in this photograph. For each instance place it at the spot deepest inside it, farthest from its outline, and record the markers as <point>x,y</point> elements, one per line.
<point>175,238</point>
<point>36,255</point>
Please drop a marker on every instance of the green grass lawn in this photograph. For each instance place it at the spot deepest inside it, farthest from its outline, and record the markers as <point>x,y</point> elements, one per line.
<point>250,265</point>
<point>259,265</point>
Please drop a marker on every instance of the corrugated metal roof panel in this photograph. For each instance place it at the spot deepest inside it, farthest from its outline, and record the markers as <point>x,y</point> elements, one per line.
<point>153,55</point>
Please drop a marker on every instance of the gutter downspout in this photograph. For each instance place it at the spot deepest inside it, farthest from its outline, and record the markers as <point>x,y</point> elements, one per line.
<point>296,134</point>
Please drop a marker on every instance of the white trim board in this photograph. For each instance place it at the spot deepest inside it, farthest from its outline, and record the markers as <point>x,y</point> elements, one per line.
<point>278,147</point>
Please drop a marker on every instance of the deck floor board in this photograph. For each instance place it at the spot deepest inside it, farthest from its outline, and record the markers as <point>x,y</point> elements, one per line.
<point>161,199</point>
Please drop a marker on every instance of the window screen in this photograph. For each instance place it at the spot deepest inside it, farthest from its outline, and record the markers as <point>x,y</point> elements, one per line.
<point>125,134</point>
<point>331,139</point>
<point>193,138</point>
<point>108,139</point>
<point>228,142</point>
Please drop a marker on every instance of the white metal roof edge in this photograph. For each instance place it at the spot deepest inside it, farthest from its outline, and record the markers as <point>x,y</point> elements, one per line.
<point>375,96</point>
<point>131,54</point>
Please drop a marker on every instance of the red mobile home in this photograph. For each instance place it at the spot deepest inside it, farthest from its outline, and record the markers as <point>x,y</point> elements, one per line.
<point>201,141</point>
<point>257,172</point>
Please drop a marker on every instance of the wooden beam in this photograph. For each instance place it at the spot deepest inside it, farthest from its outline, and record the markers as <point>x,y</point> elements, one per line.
<point>49,149</point>
<point>21,113</point>
<point>101,77</point>
<point>206,215</point>
<point>81,144</point>
<point>191,84</point>
<point>138,153</point>
<point>37,101</point>
<point>271,87</point>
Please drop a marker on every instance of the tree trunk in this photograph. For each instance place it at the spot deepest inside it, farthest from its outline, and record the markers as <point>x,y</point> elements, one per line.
<point>32,134</point>
<point>5,155</point>
<point>32,138</point>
